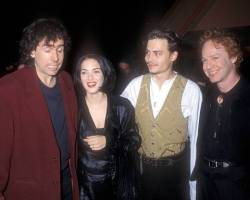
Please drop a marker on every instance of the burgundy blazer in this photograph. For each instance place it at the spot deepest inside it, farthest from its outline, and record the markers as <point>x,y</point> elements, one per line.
<point>29,154</point>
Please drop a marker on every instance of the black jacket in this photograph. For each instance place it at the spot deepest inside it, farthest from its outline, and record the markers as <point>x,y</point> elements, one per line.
<point>234,139</point>
<point>118,161</point>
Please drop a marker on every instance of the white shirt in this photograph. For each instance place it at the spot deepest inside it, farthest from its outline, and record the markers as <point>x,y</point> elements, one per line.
<point>190,106</point>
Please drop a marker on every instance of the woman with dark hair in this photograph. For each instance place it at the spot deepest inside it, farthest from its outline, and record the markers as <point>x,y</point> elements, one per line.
<point>108,137</point>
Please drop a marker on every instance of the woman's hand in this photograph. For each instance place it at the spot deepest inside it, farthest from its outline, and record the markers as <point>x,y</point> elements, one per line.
<point>96,142</point>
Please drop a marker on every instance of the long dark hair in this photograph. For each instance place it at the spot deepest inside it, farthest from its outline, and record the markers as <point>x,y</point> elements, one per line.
<point>108,75</point>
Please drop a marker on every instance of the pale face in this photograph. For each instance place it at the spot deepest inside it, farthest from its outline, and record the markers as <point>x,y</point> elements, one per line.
<point>48,58</point>
<point>158,58</point>
<point>217,64</point>
<point>91,76</point>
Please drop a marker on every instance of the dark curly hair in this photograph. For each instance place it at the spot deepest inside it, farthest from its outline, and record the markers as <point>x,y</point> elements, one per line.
<point>49,29</point>
<point>225,38</point>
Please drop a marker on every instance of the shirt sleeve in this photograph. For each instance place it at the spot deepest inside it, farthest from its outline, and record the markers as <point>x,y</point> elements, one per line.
<point>193,99</point>
<point>131,92</point>
<point>6,143</point>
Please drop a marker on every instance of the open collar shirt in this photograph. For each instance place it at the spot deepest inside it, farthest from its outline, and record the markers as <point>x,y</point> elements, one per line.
<point>190,106</point>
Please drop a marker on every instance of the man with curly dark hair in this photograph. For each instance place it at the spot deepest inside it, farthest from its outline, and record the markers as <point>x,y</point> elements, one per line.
<point>38,119</point>
<point>225,129</point>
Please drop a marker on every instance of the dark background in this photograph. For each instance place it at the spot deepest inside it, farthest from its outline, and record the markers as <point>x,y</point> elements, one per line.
<point>114,29</point>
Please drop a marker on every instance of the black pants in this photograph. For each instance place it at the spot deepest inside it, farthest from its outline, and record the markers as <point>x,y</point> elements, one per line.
<point>222,183</point>
<point>165,182</point>
<point>66,187</point>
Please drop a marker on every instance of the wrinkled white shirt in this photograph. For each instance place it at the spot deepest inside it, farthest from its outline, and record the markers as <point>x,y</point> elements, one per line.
<point>190,106</point>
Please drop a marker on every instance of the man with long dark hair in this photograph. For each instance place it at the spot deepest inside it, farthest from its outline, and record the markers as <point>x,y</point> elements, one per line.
<point>38,119</point>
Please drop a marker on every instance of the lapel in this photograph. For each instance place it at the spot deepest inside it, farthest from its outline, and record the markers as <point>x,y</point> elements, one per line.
<point>69,109</point>
<point>109,114</point>
<point>113,116</point>
<point>36,103</point>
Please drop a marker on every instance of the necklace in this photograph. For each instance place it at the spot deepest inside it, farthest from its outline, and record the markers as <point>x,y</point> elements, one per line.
<point>220,99</point>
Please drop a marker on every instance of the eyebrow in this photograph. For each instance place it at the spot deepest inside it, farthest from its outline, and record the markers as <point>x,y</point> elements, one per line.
<point>210,55</point>
<point>214,54</point>
<point>155,51</point>
<point>53,45</point>
<point>92,69</point>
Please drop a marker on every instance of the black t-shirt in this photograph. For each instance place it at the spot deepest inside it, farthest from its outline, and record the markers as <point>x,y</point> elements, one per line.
<point>54,102</point>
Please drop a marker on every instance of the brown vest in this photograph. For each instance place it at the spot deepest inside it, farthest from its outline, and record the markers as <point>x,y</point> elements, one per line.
<point>166,134</point>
